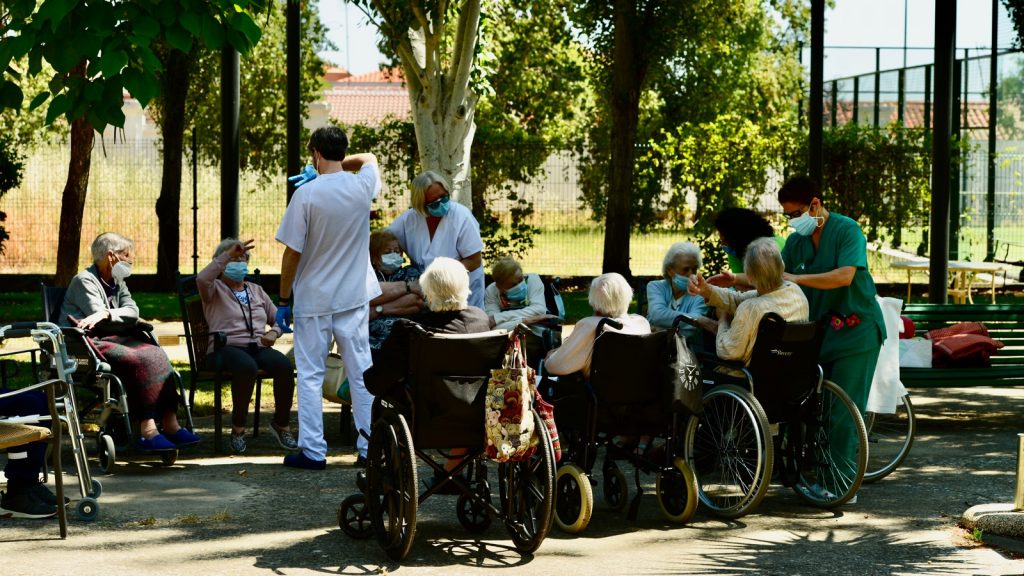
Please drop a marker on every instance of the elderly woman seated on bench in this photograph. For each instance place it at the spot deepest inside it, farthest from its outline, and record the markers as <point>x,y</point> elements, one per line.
<point>610,296</point>
<point>741,312</point>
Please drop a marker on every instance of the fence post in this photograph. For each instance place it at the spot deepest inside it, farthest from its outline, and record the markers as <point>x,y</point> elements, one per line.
<point>856,99</point>
<point>1018,498</point>
<point>993,115</point>
<point>878,86</point>
<point>835,99</point>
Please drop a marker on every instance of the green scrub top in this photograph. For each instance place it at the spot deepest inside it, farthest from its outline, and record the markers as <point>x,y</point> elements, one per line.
<point>856,323</point>
<point>736,264</point>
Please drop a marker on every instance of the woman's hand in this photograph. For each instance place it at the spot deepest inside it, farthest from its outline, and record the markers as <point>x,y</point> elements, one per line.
<point>539,318</point>
<point>268,339</point>
<point>697,286</point>
<point>240,249</point>
<point>725,279</point>
<point>91,320</point>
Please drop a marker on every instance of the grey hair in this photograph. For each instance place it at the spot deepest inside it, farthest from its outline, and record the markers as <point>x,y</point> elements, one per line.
<point>445,285</point>
<point>227,244</point>
<point>425,180</point>
<point>610,295</point>
<point>109,242</point>
<point>680,249</point>
<point>763,265</point>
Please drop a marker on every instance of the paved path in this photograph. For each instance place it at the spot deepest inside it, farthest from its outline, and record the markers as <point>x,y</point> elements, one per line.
<point>250,515</point>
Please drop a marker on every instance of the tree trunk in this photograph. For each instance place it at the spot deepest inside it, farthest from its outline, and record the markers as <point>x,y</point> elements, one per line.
<point>72,204</point>
<point>175,85</point>
<point>627,77</point>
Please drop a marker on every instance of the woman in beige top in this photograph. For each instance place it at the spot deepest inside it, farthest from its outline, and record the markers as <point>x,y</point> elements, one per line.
<point>243,311</point>
<point>741,312</point>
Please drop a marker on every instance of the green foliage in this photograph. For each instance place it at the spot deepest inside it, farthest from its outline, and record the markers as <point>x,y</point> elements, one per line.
<point>1016,10</point>
<point>99,49</point>
<point>11,166</point>
<point>263,142</point>
<point>880,177</point>
<point>1010,92</point>
<point>393,142</point>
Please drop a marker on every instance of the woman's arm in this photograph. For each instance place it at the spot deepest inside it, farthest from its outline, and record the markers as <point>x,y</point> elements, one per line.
<point>406,305</point>
<point>572,355</point>
<point>207,276</point>
<point>391,291</point>
<point>838,278</point>
<point>659,313</point>
<point>472,262</point>
<point>735,339</point>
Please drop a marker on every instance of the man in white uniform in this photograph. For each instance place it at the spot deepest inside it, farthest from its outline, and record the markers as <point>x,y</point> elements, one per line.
<point>326,271</point>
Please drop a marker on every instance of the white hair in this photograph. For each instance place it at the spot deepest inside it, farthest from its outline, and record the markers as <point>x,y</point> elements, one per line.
<point>227,244</point>
<point>610,295</point>
<point>109,242</point>
<point>445,285</point>
<point>680,249</point>
<point>763,265</point>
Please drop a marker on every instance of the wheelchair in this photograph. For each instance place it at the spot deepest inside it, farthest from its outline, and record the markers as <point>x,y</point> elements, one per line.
<point>441,408</point>
<point>628,394</point>
<point>103,405</point>
<point>778,411</point>
<point>63,407</point>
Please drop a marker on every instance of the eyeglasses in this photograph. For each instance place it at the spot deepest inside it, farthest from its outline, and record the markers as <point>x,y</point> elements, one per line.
<point>795,213</point>
<point>437,203</point>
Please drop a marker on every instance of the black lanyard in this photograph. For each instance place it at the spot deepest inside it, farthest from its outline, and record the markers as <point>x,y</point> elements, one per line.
<point>248,320</point>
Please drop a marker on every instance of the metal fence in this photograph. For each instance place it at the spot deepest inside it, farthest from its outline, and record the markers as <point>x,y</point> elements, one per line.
<point>906,95</point>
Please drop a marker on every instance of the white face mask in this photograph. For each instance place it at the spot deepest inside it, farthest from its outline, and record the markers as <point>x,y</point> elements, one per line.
<point>121,271</point>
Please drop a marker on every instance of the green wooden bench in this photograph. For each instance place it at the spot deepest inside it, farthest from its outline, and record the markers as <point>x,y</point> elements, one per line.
<point>1005,322</point>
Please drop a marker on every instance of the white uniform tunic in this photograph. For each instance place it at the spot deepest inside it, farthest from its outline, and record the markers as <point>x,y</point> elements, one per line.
<point>457,236</point>
<point>328,222</point>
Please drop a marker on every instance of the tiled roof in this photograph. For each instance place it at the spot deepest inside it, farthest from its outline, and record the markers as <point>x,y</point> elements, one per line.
<point>336,74</point>
<point>913,115</point>
<point>368,98</point>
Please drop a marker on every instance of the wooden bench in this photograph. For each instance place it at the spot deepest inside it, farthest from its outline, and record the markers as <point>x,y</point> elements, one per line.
<point>1005,322</point>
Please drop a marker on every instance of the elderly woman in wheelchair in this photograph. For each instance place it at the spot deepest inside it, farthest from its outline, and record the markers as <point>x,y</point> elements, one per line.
<point>767,382</point>
<point>98,302</point>
<point>428,380</point>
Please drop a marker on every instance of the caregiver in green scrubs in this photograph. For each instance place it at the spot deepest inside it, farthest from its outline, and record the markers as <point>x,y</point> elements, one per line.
<point>827,258</point>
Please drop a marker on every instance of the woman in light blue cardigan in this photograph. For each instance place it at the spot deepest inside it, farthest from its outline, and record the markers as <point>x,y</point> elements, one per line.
<point>668,298</point>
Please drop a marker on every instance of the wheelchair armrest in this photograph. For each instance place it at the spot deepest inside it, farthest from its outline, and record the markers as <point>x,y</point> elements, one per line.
<point>144,326</point>
<point>709,358</point>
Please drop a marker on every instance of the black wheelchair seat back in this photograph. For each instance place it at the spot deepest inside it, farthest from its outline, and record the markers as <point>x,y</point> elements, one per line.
<point>77,347</point>
<point>784,363</point>
<point>630,377</point>
<point>448,376</point>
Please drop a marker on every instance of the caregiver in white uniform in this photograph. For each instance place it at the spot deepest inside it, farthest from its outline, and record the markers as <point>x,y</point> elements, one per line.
<point>435,226</point>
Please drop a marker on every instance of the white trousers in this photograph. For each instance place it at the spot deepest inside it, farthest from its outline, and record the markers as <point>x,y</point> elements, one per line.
<point>312,341</point>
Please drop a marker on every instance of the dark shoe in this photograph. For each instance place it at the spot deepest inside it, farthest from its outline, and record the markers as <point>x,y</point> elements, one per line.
<point>183,438</point>
<point>450,487</point>
<point>237,443</point>
<point>42,493</point>
<point>361,461</point>
<point>158,443</point>
<point>25,505</point>
<point>299,460</point>
<point>361,481</point>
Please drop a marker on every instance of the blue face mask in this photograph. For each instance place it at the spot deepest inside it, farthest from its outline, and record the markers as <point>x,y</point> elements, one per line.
<point>517,293</point>
<point>236,270</point>
<point>391,261</point>
<point>804,224</point>
<point>680,282</point>
<point>728,250</point>
<point>439,208</point>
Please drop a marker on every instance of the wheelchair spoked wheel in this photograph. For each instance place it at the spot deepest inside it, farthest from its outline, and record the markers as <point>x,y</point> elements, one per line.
<point>391,484</point>
<point>474,516</point>
<point>730,451</point>
<point>354,517</point>
<point>574,499</point>
<point>828,478</point>
<point>676,489</point>
<point>106,452</point>
<point>614,486</point>
<point>528,493</point>
<point>890,437</point>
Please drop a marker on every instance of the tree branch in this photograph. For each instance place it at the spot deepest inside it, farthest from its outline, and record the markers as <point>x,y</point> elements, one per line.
<point>465,46</point>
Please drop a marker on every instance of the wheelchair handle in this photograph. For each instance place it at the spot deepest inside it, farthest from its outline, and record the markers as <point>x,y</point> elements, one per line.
<point>24,329</point>
<point>684,319</point>
<point>608,322</point>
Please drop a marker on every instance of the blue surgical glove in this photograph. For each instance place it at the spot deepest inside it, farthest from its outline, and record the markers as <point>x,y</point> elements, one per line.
<point>283,319</point>
<point>308,174</point>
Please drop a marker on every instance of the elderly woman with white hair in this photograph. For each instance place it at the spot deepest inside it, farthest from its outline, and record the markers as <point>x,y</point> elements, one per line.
<point>741,312</point>
<point>246,315</point>
<point>435,226</point>
<point>610,296</point>
<point>98,302</point>
<point>668,298</point>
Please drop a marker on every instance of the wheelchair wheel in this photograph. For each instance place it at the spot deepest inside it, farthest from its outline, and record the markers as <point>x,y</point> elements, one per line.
<point>474,517</point>
<point>615,487</point>
<point>88,509</point>
<point>730,451</point>
<point>169,458</point>
<point>391,484</point>
<point>676,489</point>
<point>106,452</point>
<point>827,478</point>
<point>890,437</point>
<point>354,517</point>
<point>528,494</point>
<point>574,499</point>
